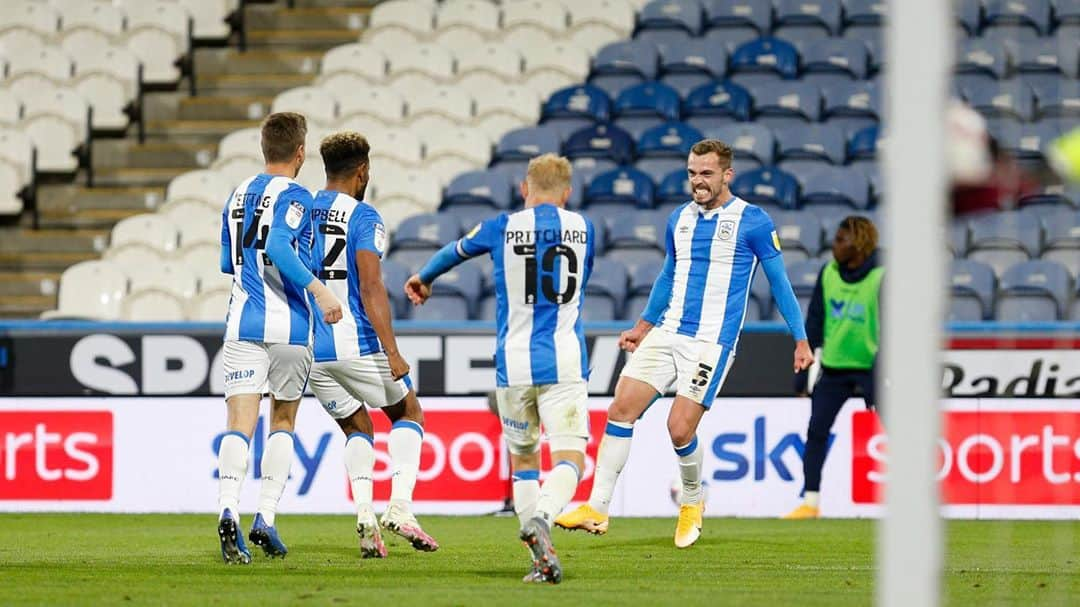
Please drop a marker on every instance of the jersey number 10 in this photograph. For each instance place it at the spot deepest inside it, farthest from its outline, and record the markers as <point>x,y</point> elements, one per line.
<point>546,276</point>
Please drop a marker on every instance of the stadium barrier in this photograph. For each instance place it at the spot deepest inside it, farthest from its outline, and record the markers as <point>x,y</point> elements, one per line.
<point>998,458</point>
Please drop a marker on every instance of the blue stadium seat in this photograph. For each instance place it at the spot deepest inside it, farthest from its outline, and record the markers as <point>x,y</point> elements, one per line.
<point>587,167</point>
<point>636,259</point>
<point>1045,62</point>
<point>1004,99</point>
<point>674,189</point>
<point>973,287</point>
<point>479,187</point>
<point>1059,99</point>
<point>764,60</point>
<point>659,168</point>
<point>835,185</point>
<point>468,215</point>
<point>465,281</point>
<point>767,185</point>
<point>987,59</point>
<point>577,106</point>
<point>1026,142</point>
<point>1002,240</point>
<point>442,308</point>
<point>806,19</point>
<point>715,104</point>
<point>1019,19</point>
<point>800,234</point>
<point>643,229</point>
<point>598,309</point>
<point>761,294</point>
<point>487,309</point>
<point>825,62</point>
<point>642,277</point>
<point>968,15</point>
<point>643,106</point>
<point>520,145</point>
<point>1034,291</point>
<point>737,21</point>
<point>852,105</point>
<point>822,142</point>
<point>664,148</point>
<point>687,66</point>
<point>750,141</point>
<point>803,276</point>
<point>428,230</point>
<point>514,170</point>
<point>786,104</point>
<point>622,64</point>
<point>682,15</point>
<point>863,144</point>
<point>863,19</point>
<point>875,49</point>
<point>609,280</point>
<point>600,141</point>
<point>394,276</point>
<point>623,186</point>
<point>1052,196</point>
<point>959,237</point>
<point>412,259</point>
<point>1062,242</point>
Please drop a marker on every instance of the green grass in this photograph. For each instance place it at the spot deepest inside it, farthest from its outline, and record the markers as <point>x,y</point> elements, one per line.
<point>173,559</point>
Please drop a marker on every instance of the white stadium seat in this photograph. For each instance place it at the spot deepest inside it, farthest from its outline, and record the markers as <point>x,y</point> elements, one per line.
<point>153,305</point>
<point>177,211</point>
<point>157,34</point>
<point>244,143</point>
<point>438,108</point>
<point>210,306</point>
<point>88,27</point>
<point>382,105</point>
<point>27,25</point>
<point>56,122</point>
<point>505,108</point>
<point>416,68</point>
<point>92,290</point>
<point>413,186</point>
<point>453,151</point>
<point>393,212</point>
<point>315,135</point>
<point>553,67</point>
<point>460,40</point>
<point>170,276</point>
<point>614,15</point>
<point>17,150</point>
<point>236,169</point>
<point>524,40</point>
<point>196,225</point>
<point>203,184</point>
<point>547,15</point>
<point>210,276</point>
<point>398,145</point>
<point>362,60</point>
<point>592,38</point>
<point>33,70</point>
<point>107,80</point>
<point>209,16</point>
<point>10,108</point>
<point>316,104</point>
<point>399,23</point>
<point>131,254</point>
<point>477,15</point>
<point>487,65</point>
<point>10,185</point>
<point>313,174</point>
<point>148,229</point>
<point>197,258</point>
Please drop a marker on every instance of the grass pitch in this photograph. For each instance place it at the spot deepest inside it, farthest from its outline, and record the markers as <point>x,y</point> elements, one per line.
<point>67,559</point>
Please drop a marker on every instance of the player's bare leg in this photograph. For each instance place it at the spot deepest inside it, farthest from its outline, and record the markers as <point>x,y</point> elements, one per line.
<point>243,414</point>
<point>632,398</point>
<point>276,461</point>
<point>683,420</point>
<point>359,465</point>
<point>406,439</point>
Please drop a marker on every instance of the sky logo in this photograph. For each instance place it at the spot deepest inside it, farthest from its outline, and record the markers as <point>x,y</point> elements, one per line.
<point>732,449</point>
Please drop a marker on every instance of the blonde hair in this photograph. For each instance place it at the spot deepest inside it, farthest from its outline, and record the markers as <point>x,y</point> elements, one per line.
<point>282,135</point>
<point>549,173</point>
<point>343,152</point>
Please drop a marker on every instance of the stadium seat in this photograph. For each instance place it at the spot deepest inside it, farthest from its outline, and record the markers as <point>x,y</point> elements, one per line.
<point>600,141</point>
<point>153,305</point>
<point>369,107</point>
<point>1005,99</point>
<point>664,148</point>
<point>767,185</point>
<point>973,287</point>
<point>203,185</point>
<point>27,25</point>
<point>687,66</point>
<point>439,108</point>
<point>442,308</point>
<point>800,234</point>
<point>35,71</point>
<point>625,187</point>
<point>835,185</point>
<point>751,142</point>
<point>430,230</point>
<point>1062,242</point>
<point>157,33</point>
<point>623,64</point>
<point>1017,19</point>
<point>91,290</point>
<point>1060,99</point>
<point>416,186</point>
<point>475,15</point>
<point>316,104</point>
<point>822,142</point>
<point>56,121</point>
<point>394,276</point>
<point>502,109</point>
<point>360,60</point>
<point>555,66</point>
<point>803,275</point>
<point>576,107</point>
<point>673,189</point>
<point>11,184</point>
<point>987,59</point>
<point>522,144</point>
<point>148,229</point>
<point>681,15</point>
<point>195,223</point>
<point>968,15</point>
<point>806,19</point>
<point>780,105</point>
<point>642,229</point>
<point>17,151</point>
<point>469,215</point>
<point>1034,291</point>
<point>737,20</point>
<point>643,106</point>
<point>716,104</point>
<point>210,18</point>
<point>608,283</point>
<point>398,23</point>
<point>490,188</point>
<point>449,152</point>
<point>1002,240</point>
<point>107,80</point>
<point>1026,142</point>
<point>764,60</point>
<point>1045,61</point>
<point>600,22</point>
<point>864,19</point>
<point>642,277</point>
<point>852,105</point>
<point>168,276</point>
<point>209,306</point>
<point>420,66</point>
<point>397,145</point>
<point>761,296</point>
<point>10,108</point>
<point>825,62</point>
<point>89,27</point>
<point>524,16</point>
<point>598,309</point>
<point>464,281</point>
<point>489,64</point>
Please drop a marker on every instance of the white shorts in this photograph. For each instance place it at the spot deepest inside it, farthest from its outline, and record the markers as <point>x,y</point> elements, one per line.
<point>343,386</point>
<point>697,368</point>
<point>561,408</point>
<point>254,367</point>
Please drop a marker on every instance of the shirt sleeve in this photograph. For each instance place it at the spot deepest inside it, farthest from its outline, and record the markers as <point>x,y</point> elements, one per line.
<point>226,241</point>
<point>482,238</point>
<point>292,224</point>
<point>761,234</point>
<point>292,211</point>
<point>368,232</point>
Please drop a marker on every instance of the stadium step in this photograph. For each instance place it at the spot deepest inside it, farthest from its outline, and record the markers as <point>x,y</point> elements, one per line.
<point>26,306</point>
<point>144,177</point>
<point>40,242</point>
<point>116,153</point>
<point>323,40</point>
<point>28,283</point>
<point>196,130</point>
<point>249,84</point>
<point>265,62</point>
<point>233,107</point>
<point>325,18</point>
<point>73,206</point>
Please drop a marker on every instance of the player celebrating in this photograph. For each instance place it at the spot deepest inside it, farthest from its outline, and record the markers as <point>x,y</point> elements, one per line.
<point>543,257</point>
<point>265,245</point>
<point>357,361</point>
<point>689,330</point>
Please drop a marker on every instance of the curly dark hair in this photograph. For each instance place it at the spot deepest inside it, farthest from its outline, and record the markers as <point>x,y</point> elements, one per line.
<point>864,233</point>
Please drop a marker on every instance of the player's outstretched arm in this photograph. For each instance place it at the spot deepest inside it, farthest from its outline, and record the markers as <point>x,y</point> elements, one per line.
<point>377,306</point>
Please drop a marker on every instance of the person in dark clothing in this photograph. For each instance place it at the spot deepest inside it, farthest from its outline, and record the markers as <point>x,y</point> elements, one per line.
<point>844,321</point>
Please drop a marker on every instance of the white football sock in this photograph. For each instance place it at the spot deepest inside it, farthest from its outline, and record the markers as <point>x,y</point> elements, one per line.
<point>406,438</point>
<point>558,490</point>
<point>360,465</point>
<point>275,465</point>
<point>526,492</point>
<point>812,499</point>
<point>232,468</point>
<point>691,457</point>
<point>614,450</point>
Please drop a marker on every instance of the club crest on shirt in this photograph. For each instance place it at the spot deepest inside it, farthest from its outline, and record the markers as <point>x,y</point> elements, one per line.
<point>294,215</point>
<point>725,230</point>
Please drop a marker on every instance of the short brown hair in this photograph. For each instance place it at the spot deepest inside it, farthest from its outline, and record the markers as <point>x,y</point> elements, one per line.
<point>549,173</point>
<point>343,152</point>
<point>864,234</point>
<point>714,146</point>
<point>282,134</point>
